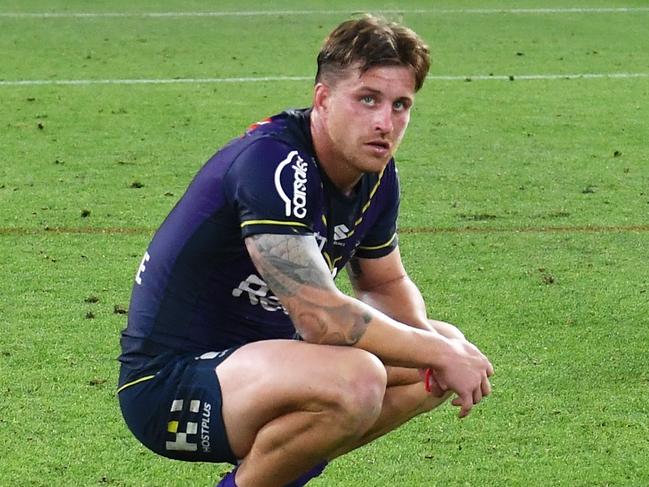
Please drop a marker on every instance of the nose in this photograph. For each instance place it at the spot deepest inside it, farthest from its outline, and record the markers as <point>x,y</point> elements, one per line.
<point>383,120</point>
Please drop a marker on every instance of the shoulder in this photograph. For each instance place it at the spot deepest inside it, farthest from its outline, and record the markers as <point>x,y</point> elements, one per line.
<point>273,180</point>
<point>285,166</point>
<point>275,141</point>
<point>291,126</point>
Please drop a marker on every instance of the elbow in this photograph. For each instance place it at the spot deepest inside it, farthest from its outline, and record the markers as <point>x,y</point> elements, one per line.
<point>340,324</point>
<point>314,326</point>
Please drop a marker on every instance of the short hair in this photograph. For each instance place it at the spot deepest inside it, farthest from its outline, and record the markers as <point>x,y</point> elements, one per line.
<point>371,41</point>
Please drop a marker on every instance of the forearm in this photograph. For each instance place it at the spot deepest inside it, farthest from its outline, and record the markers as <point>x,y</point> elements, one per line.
<point>329,317</point>
<point>348,321</point>
<point>403,344</point>
<point>293,268</point>
<point>400,299</point>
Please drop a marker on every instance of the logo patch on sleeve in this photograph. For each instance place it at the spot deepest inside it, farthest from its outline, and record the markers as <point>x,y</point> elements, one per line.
<point>295,206</point>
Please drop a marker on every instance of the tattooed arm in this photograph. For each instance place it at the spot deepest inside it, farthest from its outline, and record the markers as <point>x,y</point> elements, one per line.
<point>295,271</point>
<point>293,268</point>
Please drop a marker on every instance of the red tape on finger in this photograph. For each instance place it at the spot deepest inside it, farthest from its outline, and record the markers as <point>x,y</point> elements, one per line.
<point>428,380</point>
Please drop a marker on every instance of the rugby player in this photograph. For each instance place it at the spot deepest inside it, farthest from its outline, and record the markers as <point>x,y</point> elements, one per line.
<point>239,347</point>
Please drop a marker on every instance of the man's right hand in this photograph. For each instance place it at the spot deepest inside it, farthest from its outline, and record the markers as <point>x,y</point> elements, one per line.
<point>465,370</point>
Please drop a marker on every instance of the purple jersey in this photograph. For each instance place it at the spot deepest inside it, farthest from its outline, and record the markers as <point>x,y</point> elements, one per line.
<point>197,289</point>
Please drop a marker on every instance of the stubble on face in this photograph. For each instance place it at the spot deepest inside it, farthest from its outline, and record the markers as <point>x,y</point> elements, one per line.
<point>365,116</point>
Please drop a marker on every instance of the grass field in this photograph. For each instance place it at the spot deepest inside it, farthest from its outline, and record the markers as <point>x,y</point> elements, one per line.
<point>524,221</point>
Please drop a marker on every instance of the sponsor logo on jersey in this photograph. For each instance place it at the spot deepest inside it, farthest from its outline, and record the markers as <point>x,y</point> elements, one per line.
<point>295,206</point>
<point>206,416</point>
<point>211,355</point>
<point>258,293</point>
<point>190,434</point>
<point>340,232</point>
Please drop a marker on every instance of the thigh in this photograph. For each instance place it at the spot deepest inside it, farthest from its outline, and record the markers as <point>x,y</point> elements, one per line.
<point>176,412</point>
<point>264,380</point>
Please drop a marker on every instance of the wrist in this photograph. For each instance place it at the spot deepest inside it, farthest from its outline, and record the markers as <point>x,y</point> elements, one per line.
<point>437,351</point>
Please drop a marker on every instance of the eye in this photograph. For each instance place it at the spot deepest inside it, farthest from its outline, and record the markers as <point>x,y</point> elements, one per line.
<point>400,105</point>
<point>368,100</point>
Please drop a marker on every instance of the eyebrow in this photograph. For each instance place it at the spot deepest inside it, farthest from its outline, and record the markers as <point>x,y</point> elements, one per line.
<point>371,90</point>
<point>374,91</point>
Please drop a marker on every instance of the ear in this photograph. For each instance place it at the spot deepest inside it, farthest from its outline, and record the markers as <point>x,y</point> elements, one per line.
<point>321,94</point>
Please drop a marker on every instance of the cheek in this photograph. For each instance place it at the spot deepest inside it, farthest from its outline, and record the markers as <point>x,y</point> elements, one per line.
<point>347,124</point>
<point>340,117</point>
<point>333,124</point>
<point>400,125</point>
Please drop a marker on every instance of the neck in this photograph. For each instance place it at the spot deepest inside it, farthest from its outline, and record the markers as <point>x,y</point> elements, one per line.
<point>332,161</point>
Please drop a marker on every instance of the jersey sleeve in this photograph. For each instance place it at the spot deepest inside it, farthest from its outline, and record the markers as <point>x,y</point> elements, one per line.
<point>382,238</point>
<point>273,188</point>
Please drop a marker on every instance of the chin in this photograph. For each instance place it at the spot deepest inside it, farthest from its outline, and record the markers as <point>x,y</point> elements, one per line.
<point>374,165</point>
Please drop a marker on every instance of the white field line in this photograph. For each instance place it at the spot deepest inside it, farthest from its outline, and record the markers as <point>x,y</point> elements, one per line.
<point>260,79</point>
<point>158,81</point>
<point>259,13</point>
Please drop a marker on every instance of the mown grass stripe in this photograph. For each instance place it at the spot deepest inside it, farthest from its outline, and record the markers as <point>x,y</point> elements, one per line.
<point>261,79</point>
<point>405,230</point>
<point>266,13</point>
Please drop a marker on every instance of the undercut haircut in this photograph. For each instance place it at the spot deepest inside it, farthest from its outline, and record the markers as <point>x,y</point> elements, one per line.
<point>368,42</point>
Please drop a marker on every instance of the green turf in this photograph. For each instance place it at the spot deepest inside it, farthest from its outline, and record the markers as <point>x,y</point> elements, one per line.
<point>524,221</point>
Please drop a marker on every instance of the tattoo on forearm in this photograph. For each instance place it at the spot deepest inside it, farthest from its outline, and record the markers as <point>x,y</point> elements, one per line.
<point>287,264</point>
<point>350,335</point>
<point>290,268</point>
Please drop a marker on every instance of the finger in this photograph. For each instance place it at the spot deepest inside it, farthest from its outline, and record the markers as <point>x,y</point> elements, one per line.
<point>422,373</point>
<point>430,383</point>
<point>442,384</point>
<point>428,380</point>
<point>485,386</point>
<point>477,395</point>
<point>490,370</point>
<point>465,410</point>
<point>435,389</point>
<point>466,404</point>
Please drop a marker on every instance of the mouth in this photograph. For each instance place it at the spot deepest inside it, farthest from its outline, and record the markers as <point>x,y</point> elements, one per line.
<point>379,146</point>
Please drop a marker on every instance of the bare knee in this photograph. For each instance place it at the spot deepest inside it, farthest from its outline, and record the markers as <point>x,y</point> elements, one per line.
<point>340,389</point>
<point>446,329</point>
<point>358,394</point>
